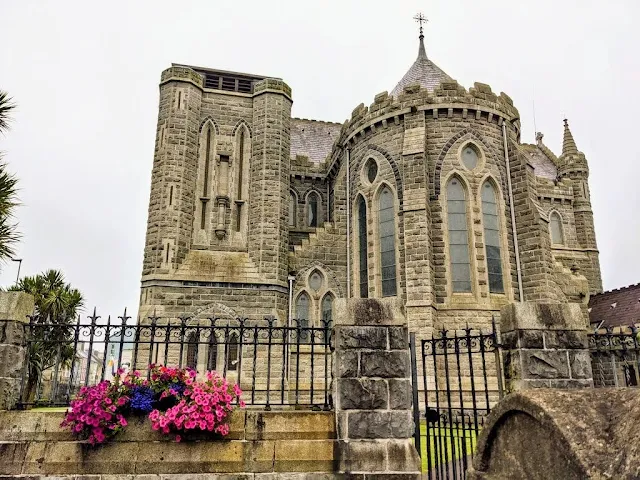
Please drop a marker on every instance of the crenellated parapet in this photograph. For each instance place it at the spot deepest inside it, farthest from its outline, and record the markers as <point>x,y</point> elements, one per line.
<point>449,99</point>
<point>182,74</point>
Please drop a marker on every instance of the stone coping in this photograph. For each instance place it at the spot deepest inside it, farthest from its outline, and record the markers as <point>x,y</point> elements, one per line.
<point>43,426</point>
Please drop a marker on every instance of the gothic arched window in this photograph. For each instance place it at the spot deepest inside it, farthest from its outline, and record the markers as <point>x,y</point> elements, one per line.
<point>313,209</point>
<point>387,225</point>
<point>302,315</point>
<point>293,210</point>
<point>327,309</point>
<point>555,227</point>
<point>458,237</point>
<point>492,237</point>
<point>232,351</point>
<point>192,350</point>
<point>362,248</point>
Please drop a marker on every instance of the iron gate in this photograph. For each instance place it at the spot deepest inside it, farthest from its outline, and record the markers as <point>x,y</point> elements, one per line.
<point>457,378</point>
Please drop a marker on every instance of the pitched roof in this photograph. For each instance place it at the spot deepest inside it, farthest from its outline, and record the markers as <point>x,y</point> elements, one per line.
<point>616,307</point>
<point>543,166</point>
<point>423,71</point>
<point>313,139</point>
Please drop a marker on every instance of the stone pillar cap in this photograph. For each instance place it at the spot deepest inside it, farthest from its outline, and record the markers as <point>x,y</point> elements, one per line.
<point>369,312</point>
<point>541,316</point>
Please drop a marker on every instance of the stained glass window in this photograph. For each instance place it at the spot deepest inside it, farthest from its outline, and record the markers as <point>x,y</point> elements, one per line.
<point>387,243</point>
<point>458,237</point>
<point>492,238</point>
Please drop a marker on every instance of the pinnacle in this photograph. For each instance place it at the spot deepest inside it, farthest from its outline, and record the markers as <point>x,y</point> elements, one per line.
<point>568,143</point>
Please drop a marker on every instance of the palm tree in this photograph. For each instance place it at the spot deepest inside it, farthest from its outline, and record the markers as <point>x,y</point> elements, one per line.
<point>9,235</point>
<point>57,305</point>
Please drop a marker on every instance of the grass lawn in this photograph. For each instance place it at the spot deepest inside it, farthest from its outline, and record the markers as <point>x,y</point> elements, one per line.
<point>444,445</point>
<point>49,409</point>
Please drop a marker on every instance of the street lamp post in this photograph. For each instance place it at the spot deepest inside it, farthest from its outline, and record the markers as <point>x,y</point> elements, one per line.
<point>19,260</point>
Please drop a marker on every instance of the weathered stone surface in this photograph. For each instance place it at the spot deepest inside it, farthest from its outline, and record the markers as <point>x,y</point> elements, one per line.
<point>369,311</point>
<point>362,456</point>
<point>400,394</point>
<point>402,456</point>
<point>362,337</point>
<point>580,365</point>
<point>9,392</point>
<point>566,339</point>
<point>541,316</point>
<point>385,364</point>
<point>576,434</point>
<point>398,338</point>
<point>16,306</point>
<point>347,362</point>
<point>531,339</point>
<point>12,332</point>
<point>362,394</point>
<point>377,424</point>
<point>545,364</point>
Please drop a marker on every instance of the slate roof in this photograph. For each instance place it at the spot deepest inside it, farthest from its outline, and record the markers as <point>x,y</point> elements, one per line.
<point>313,139</point>
<point>619,307</point>
<point>543,166</point>
<point>423,71</point>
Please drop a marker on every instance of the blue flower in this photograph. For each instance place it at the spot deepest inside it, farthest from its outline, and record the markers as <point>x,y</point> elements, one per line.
<point>142,399</point>
<point>177,386</point>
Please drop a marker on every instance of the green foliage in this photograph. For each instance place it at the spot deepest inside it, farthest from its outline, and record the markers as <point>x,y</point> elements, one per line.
<point>9,235</point>
<point>57,305</point>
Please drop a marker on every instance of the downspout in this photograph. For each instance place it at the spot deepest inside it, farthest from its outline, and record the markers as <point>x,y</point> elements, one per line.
<point>348,227</point>
<point>513,211</point>
<point>291,279</point>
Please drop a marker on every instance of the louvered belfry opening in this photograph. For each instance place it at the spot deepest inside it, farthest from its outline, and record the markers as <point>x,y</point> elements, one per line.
<point>228,81</point>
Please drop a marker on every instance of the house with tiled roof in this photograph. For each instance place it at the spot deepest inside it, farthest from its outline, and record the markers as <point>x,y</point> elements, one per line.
<point>619,307</point>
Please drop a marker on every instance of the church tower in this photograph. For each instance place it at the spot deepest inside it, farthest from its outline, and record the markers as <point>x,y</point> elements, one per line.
<point>572,164</point>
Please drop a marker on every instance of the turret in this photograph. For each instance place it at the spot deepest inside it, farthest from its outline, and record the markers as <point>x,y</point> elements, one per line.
<point>170,220</point>
<point>572,164</point>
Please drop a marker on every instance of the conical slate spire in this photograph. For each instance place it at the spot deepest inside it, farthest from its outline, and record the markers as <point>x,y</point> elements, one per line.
<point>568,143</point>
<point>423,71</point>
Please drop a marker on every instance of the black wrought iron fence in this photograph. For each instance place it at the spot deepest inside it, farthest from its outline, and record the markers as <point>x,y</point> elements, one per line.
<point>457,380</point>
<point>615,356</point>
<point>274,365</point>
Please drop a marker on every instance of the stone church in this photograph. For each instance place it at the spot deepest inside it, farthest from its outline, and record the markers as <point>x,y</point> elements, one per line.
<point>426,196</point>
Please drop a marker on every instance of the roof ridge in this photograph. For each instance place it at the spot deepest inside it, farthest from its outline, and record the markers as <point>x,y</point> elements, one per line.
<point>317,121</point>
<point>615,290</point>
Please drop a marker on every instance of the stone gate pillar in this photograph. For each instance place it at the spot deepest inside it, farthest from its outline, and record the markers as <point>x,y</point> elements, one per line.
<point>545,345</point>
<point>14,308</point>
<point>372,391</point>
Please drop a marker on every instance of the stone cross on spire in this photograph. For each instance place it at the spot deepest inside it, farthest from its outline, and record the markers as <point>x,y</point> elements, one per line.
<point>420,18</point>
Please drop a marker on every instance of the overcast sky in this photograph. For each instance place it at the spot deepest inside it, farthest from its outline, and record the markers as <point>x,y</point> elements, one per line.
<point>85,77</point>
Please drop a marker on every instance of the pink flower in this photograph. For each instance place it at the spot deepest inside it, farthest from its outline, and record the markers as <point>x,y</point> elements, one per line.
<point>178,438</point>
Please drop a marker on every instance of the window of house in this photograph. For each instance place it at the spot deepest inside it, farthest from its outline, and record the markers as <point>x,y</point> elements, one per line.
<point>387,242</point>
<point>313,210</point>
<point>470,156</point>
<point>492,237</point>
<point>293,203</point>
<point>459,259</point>
<point>555,227</point>
<point>362,248</point>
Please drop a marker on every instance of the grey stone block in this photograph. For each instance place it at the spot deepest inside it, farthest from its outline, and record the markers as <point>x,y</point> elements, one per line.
<point>398,338</point>
<point>362,456</point>
<point>402,456</point>
<point>545,364</point>
<point>400,394</point>
<point>347,361</point>
<point>368,424</point>
<point>362,337</point>
<point>362,394</point>
<point>401,424</point>
<point>12,332</point>
<point>12,359</point>
<point>580,362</point>
<point>566,339</point>
<point>385,364</point>
<point>531,339</point>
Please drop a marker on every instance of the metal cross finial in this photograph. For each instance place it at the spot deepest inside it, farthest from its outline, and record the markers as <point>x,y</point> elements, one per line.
<point>420,18</point>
